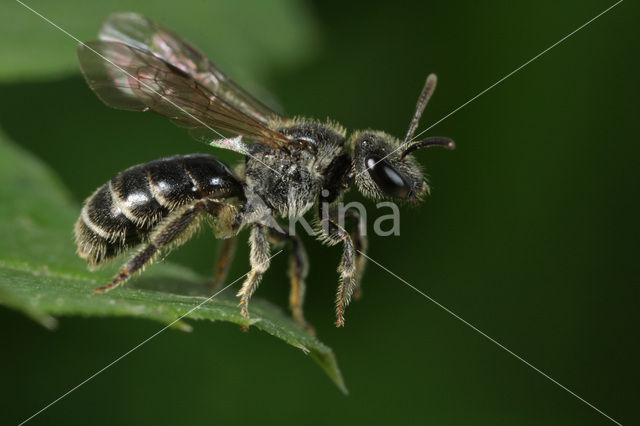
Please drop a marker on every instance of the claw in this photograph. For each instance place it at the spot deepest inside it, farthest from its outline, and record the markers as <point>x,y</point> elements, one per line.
<point>244,305</point>
<point>119,279</point>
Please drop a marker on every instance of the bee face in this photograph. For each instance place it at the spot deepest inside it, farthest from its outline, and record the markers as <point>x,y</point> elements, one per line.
<point>381,171</point>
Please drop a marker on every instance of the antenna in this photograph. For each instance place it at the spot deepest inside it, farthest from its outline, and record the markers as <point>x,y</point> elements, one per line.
<point>427,91</point>
<point>430,141</point>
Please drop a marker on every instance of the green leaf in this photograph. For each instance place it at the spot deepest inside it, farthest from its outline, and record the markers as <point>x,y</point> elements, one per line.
<point>41,276</point>
<point>236,34</point>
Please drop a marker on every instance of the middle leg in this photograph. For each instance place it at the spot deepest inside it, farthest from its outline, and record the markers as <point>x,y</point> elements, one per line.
<point>298,270</point>
<point>259,259</point>
<point>224,259</point>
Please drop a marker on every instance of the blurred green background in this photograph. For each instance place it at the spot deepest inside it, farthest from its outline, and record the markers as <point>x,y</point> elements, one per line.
<point>531,233</point>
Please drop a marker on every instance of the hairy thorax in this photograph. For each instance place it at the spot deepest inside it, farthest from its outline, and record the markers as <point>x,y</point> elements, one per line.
<point>289,183</point>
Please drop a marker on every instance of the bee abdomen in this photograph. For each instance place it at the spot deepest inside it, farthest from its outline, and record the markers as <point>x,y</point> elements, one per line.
<point>102,230</point>
<point>120,214</point>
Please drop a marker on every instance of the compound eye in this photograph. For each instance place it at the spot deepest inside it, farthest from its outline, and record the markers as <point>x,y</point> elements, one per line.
<point>386,177</point>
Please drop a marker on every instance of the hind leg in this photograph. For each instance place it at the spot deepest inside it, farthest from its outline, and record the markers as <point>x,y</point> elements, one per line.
<point>174,230</point>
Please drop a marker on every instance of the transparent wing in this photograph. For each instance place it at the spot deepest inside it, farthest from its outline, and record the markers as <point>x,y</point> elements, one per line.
<point>125,77</point>
<point>144,34</point>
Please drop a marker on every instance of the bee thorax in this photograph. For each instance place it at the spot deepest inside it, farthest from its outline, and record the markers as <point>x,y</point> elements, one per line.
<point>290,182</point>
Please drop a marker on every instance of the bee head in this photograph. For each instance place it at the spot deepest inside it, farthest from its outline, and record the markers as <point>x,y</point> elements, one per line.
<point>384,166</point>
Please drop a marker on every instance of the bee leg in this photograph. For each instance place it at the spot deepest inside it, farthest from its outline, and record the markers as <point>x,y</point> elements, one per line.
<point>333,233</point>
<point>298,270</point>
<point>136,263</point>
<point>347,271</point>
<point>173,230</point>
<point>225,257</point>
<point>259,259</point>
<point>359,238</point>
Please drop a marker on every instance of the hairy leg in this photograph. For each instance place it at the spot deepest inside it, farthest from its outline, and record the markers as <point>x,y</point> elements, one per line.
<point>298,270</point>
<point>224,259</point>
<point>259,260</point>
<point>173,230</point>
<point>359,238</point>
<point>333,233</point>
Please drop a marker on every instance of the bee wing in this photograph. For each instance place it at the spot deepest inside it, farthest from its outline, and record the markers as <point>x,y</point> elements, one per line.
<point>126,77</point>
<point>142,33</point>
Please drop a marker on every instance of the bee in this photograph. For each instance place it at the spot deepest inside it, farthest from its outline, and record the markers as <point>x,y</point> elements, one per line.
<point>290,166</point>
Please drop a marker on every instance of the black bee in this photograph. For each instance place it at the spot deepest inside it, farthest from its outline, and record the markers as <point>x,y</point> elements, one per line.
<point>290,165</point>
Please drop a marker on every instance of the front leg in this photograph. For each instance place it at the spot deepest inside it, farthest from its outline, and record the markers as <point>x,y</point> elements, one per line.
<point>333,233</point>
<point>359,238</point>
<point>259,259</point>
